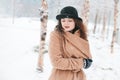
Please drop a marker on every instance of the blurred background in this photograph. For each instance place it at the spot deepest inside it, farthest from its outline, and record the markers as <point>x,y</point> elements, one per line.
<point>20,28</point>
<point>102,10</point>
<point>29,8</point>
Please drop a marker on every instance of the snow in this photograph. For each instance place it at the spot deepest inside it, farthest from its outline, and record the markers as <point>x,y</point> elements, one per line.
<point>18,61</point>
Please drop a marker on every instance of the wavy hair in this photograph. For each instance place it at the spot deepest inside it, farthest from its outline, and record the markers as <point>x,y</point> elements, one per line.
<point>78,26</point>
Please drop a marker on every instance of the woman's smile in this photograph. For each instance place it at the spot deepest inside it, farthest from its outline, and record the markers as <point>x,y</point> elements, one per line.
<point>67,26</point>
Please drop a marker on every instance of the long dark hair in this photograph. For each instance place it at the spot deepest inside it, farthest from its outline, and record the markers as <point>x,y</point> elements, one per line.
<point>78,26</point>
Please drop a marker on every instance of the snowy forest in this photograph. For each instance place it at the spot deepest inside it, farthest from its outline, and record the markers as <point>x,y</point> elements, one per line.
<point>21,27</point>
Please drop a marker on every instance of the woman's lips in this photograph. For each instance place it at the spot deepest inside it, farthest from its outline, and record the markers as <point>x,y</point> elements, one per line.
<point>66,26</point>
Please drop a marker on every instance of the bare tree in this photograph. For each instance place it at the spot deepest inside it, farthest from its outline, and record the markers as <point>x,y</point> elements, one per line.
<point>86,11</point>
<point>115,24</point>
<point>104,26</point>
<point>99,20</point>
<point>58,7</point>
<point>43,19</point>
<point>95,26</point>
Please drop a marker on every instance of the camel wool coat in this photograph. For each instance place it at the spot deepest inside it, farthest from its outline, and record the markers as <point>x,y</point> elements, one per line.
<point>67,56</point>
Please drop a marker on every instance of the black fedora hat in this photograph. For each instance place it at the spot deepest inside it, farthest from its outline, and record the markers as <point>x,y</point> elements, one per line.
<point>68,12</point>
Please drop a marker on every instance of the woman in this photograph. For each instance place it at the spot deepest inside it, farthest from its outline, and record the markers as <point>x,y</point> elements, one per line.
<point>69,48</point>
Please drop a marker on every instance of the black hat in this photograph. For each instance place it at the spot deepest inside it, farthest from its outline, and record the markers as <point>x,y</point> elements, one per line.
<point>68,12</point>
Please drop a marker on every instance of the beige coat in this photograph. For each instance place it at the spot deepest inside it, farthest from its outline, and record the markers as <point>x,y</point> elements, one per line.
<point>67,61</point>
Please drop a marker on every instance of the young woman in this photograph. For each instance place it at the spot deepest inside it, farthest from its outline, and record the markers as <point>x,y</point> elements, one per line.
<point>69,48</point>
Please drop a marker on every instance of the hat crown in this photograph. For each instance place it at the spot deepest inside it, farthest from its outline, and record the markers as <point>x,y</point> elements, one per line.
<point>69,11</point>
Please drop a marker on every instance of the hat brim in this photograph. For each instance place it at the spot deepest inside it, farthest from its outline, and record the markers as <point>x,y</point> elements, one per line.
<point>58,17</point>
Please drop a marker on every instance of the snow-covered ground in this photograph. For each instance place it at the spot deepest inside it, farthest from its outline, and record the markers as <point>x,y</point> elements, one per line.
<point>18,61</point>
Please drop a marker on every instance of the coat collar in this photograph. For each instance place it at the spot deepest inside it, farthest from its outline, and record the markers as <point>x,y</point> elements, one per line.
<point>79,43</point>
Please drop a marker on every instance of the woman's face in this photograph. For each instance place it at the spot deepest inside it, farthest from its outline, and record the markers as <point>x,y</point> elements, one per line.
<point>68,24</point>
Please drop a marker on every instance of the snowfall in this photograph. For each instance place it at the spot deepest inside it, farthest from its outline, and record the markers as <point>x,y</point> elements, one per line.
<point>18,59</point>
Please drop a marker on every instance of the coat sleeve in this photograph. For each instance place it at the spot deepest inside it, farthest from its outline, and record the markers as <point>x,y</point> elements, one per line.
<point>57,60</point>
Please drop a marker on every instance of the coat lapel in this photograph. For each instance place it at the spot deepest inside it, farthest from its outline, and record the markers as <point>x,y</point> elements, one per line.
<point>81,44</point>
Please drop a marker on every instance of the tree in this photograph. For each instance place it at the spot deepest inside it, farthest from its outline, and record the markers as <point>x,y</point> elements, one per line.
<point>115,24</point>
<point>85,11</point>
<point>104,26</point>
<point>95,26</point>
<point>43,19</point>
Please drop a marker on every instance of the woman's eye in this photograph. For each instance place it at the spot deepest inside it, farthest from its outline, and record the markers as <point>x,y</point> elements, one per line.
<point>62,20</point>
<point>70,20</point>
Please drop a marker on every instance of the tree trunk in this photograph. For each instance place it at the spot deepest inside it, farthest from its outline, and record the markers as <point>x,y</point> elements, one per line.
<point>115,24</point>
<point>95,26</point>
<point>104,26</point>
<point>43,31</point>
<point>85,11</point>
